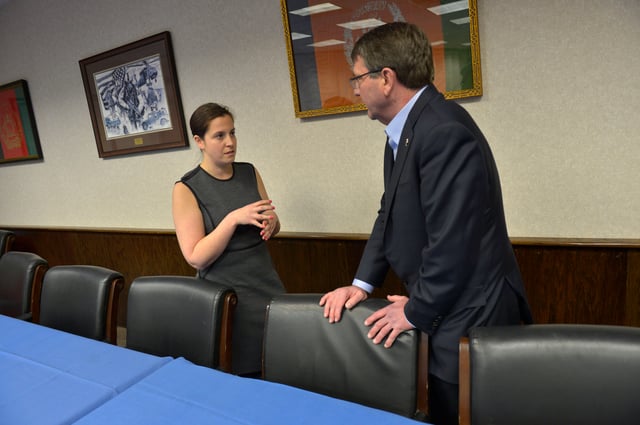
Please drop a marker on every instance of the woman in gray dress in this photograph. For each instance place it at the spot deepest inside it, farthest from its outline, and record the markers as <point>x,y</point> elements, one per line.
<point>223,217</point>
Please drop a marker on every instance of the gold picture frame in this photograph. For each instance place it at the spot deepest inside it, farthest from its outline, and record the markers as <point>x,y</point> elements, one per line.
<point>319,37</point>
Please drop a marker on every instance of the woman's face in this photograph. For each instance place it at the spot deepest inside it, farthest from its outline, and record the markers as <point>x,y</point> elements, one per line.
<point>219,143</point>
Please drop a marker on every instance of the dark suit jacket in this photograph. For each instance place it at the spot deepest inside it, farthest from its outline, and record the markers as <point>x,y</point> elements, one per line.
<point>441,227</point>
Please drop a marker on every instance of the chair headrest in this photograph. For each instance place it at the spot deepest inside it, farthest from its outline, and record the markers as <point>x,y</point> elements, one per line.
<point>301,348</point>
<point>555,374</point>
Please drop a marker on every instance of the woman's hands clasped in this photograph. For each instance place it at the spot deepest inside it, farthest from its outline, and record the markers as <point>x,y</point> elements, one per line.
<point>259,214</point>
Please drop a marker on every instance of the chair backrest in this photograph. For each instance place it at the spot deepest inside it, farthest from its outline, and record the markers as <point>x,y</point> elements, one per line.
<point>21,275</point>
<point>302,349</point>
<point>550,374</point>
<point>6,241</point>
<point>82,299</point>
<point>182,316</point>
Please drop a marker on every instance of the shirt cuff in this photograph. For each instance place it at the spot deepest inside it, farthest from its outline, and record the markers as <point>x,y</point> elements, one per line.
<point>363,285</point>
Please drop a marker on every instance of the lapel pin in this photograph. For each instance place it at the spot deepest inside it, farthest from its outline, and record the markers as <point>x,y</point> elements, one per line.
<point>406,142</point>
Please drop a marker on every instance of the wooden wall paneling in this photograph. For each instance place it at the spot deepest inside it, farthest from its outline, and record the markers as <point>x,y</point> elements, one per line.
<point>321,265</point>
<point>133,254</point>
<point>567,281</point>
<point>633,288</point>
<point>574,284</point>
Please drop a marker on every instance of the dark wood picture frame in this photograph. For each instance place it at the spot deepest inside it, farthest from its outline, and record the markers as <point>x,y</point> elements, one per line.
<point>134,97</point>
<point>19,140</point>
<point>320,36</point>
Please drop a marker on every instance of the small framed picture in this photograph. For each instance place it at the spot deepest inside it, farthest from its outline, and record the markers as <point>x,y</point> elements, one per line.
<point>18,133</point>
<point>134,98</point>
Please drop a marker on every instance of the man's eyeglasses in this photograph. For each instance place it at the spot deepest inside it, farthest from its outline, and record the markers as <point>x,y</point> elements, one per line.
<point>355,81</point>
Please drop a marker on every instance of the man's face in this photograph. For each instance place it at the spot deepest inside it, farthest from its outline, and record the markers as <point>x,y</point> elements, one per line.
<point>370,89</point>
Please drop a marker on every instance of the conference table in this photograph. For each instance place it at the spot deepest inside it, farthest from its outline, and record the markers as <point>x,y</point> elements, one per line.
<point>52,377</point>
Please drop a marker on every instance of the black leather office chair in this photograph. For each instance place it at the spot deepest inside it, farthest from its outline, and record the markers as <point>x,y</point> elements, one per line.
<point>550,374</point>
<point>6,241</point>
<point>21,275</point>
<point>82,299</point>
<point>182,316</point>
<point>302,349</point>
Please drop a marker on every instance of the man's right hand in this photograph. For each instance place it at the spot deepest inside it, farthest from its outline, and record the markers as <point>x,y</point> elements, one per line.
<point>336,300</point>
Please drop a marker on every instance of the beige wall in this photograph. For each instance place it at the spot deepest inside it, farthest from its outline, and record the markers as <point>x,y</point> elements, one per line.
<point>560,109</point>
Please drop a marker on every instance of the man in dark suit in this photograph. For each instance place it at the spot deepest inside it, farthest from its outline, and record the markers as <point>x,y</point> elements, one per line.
<point>441,223</point>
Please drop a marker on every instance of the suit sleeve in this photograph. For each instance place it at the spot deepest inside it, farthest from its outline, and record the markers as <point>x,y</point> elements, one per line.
<point>453,193</point>
<point>373,263</point>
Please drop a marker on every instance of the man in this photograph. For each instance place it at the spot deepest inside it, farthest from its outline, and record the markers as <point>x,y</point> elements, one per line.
<point>441,224</point>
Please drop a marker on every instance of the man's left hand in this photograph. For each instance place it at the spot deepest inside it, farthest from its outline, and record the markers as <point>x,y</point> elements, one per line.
<point>388,322</point>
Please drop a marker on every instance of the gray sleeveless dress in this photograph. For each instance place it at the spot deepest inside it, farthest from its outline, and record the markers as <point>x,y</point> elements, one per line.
<point>246,263</point>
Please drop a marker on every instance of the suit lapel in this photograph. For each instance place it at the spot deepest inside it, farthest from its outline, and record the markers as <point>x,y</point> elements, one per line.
<point>393,172</point>
<point>388,163</point>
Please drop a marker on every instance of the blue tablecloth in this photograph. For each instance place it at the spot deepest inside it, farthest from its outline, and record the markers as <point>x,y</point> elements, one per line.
<point>31,393</point>
<point>183,393</point>
<point>53,377</point>
<point>50,377</point>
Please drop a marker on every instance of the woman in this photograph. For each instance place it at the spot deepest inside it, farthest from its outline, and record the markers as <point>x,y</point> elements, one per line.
<point>223,217</point>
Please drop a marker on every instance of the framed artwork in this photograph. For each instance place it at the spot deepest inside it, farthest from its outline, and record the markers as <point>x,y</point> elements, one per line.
<point>134,98</point>
<point>18,133</point>
<point>320,36</point>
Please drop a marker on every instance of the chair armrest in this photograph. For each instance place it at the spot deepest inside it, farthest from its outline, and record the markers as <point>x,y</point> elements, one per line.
<point>464,402</point>
<point>111,331</point>
<point>226,328</point>
<point>423,378</point>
